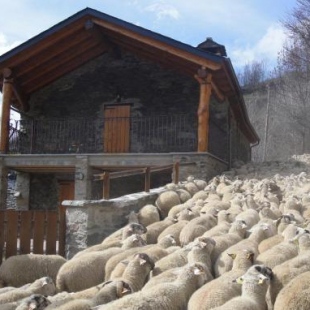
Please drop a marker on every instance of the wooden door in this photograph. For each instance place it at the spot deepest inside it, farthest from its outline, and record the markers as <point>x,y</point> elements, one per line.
<point>66,191</point>
<point>116,128</point>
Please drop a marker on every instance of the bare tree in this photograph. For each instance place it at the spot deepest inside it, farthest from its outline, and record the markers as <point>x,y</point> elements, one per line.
<point>252,75</point>
<point>292,75</point>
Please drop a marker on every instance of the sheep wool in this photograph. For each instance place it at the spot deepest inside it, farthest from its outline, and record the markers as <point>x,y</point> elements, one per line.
<point>14,273</point>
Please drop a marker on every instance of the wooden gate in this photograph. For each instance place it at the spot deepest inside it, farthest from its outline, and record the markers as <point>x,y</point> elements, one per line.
<point>34,231</point>
<point>116,128</point>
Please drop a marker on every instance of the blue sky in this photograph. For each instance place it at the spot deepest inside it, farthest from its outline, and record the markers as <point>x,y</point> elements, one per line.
<point>249,29</point>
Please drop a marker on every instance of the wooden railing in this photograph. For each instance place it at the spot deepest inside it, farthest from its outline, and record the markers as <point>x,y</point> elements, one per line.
<point>33,231</point>
<point>147,134</point>
<point>146,171</point>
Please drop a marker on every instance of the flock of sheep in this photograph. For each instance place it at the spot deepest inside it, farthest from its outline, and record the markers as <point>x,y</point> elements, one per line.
<point>239,241</point>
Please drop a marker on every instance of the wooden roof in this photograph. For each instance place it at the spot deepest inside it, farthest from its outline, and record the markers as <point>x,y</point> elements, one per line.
<point>90,33</point>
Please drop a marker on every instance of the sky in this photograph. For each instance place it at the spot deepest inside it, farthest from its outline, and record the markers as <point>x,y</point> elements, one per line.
<point>249,29</point>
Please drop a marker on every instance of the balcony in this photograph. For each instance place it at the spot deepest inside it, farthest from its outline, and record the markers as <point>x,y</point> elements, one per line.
<point>155,134</point>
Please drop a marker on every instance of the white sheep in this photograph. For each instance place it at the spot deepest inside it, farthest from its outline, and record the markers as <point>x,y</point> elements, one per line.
<point>84,271</point>
<point>147,215</point>
<point>137,271</point>
<point>174,230</point>
<point>33,302</point>
<point>281,252</point>
<point>258,233</point>
<point>197,227</point>
<point>235,234</point>
<point>166,200</point>
<point>43,286</point>
<point>218,291</point>
<point>26,268</point>
<point>285,272</point>
<point>168,296</point>
<point>295,295</point>
<point>154,230</point>
<point>254,288</point>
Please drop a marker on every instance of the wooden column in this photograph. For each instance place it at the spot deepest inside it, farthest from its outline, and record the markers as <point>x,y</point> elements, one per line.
<point>7,91</point>
<point>204,80</point>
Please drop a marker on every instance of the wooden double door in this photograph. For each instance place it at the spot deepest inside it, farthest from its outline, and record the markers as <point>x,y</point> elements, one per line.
<point>116,128</point>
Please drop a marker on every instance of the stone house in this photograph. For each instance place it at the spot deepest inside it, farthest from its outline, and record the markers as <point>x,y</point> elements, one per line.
<point>96,94</point>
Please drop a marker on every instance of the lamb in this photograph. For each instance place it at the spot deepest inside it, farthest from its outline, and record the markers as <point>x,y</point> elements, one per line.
<point>89,268</point>
<point>196,227</point>
<point>254,288</point>
<point>43,286</point>
<point>26,268</point>
<point>258,233</point>
<point>168,296</point>
<point>220,290</point>
<point>295,295</point>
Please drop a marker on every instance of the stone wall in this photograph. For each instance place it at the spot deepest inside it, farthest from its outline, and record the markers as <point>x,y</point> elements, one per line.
<point>89,222</point>
<point>106,80</point>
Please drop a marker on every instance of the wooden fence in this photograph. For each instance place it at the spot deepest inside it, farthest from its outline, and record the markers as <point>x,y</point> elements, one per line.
<point>146,171</point>
<point>33,231</point>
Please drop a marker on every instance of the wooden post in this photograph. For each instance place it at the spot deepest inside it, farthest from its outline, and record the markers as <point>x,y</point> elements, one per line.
<point>204,80</point>
<point>176,168</point>
<point>147,180</point>
<point>106,185</point>
<point>7,91</point>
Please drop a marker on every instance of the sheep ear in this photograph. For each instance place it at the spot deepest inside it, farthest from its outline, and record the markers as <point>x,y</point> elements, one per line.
<point>142,261</point>
<point>250,257</point>
<point>238,280</point>
<point>232,255</point>
<point>125,262</point>
<point>262,279</point>
<point>32,306</point>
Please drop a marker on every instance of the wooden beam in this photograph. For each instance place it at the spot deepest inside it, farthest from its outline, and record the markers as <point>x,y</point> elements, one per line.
<point>48,42</point>
<point>159,57</point>
<point>7,91</point>
<point>65,44</point>
<point>21,97</point>
<point>154,44</point>
<point>65,69</point>
<point>204,78</point>
<point>57,62</point>
<point>217,93</point>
